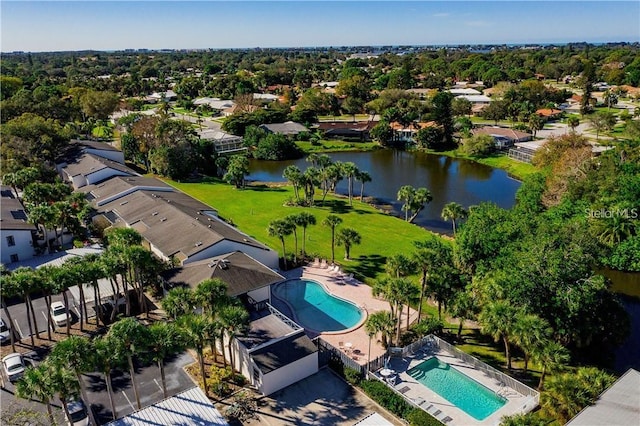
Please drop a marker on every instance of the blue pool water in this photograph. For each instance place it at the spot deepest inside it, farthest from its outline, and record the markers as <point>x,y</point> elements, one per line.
<point>460,390</point>
<point>315,309</point>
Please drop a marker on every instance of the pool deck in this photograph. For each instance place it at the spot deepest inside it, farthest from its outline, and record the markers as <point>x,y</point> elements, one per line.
<point>439,407</point>
<point>358,293</point>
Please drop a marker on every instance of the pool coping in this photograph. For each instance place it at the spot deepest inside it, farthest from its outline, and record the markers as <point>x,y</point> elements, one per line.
<point>329,292</point>
<point>477,382</point>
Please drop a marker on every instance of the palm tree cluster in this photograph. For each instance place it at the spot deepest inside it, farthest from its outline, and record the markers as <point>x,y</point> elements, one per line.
<point>222,319</point>
<point>324,174</point>
<point>413,201</point>
<point>282,228</point>
<point>126,264</point>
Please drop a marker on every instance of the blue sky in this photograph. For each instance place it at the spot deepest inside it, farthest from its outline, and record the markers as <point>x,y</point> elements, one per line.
<point>61,25</point>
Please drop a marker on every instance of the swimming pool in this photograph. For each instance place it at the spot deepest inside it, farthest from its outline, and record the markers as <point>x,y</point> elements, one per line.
<point>460,390</point>
<point>317,310</point>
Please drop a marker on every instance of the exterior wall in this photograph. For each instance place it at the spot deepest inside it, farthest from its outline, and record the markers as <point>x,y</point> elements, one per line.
<point>103,174</point>
<point>117,156</point>
<point>261,294</point>
<point>23,246</point>
<point>266,257</point>
<point>78,181</point>
<point>289,374</point>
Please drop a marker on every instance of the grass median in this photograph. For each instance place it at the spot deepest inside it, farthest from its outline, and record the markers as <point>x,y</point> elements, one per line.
<point>251,209</point>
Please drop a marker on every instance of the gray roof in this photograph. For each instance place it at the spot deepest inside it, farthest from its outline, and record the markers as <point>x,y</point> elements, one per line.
<point>174,222</point>
<point>119,186</point>
<point>240,272</point>
<point>87,164</point>
<point>12,214</point>
<point>283,352</point>
<point>95,145</point>
<point>265,329</point>
<point>618,405</point>
<point>287,128</point>
<point>191,407</point>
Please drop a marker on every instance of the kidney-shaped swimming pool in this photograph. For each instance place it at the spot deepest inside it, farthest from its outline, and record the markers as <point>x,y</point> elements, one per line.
<point>317,310</point>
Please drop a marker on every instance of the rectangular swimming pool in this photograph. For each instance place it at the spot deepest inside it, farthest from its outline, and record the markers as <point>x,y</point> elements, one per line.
<point>463,392</point>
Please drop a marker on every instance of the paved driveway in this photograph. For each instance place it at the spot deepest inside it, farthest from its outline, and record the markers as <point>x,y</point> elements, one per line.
<point>322,399</point>
<point>149,387</point>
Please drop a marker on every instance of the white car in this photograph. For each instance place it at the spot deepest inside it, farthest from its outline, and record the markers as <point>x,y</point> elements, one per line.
<point>13,365</point>
<point>78,415</point>
<point>59,314</point>
<point>5,333</point>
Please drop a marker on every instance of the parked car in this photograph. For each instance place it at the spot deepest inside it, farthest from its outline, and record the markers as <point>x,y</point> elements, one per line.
<point>59,314</point>
<point>78,415</point>
<point>5,333</point>
<point>13,365</point>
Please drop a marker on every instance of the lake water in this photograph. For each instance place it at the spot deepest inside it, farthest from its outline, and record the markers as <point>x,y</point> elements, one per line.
<point>448,179</point>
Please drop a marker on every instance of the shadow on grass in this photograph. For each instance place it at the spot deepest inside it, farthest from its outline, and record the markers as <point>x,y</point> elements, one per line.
<point>370,265</point>
<point>263,188</point>
<point>338,206</point>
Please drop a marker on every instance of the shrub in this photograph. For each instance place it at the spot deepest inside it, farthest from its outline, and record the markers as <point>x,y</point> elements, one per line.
<point>478,145</point>
<point>78,244</point>
<point>418,417</point>
<point>384,396</point>
<point>352,376</point>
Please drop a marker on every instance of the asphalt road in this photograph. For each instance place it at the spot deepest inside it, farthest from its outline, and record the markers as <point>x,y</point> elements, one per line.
<point>149,387</point>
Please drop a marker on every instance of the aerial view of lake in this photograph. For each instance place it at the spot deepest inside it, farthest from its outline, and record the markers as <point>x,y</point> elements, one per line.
<point>449,179</point>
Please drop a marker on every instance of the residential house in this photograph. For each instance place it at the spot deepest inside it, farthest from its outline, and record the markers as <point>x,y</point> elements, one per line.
<point>214,103</point>
<point>466,91</point>
<point>223,143</point>
<point>238,109</point>
<point>408,133</point>
<point>156,97</point>
<point>16,233</point>
<point>88,169</point>
<point>101,149</point>
<point>549,114</point>
<point>174,226</point>
<point>347,129</point>
<point>524,151</point>
<point>265,98</point>
<point>502,136</point>
<point>422,94</point>
<point>288,128</point>
<point>246,278</point>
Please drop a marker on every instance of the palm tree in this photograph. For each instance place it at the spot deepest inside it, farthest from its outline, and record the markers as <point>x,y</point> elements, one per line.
<point>428,258</point>
<point>131,339</point>
<point>350,171</point>
<point>304,219</point>
<point>65,384</point>
<point>281,228</point>
<point>331,221</point>
<point>105,360</point>
<point>614,230</point>
<point>552,356</point>
<point>195,328</point>
<point>37,383</point>
<point>453,211</point>
<point>498,320</point>
<point>294,227</point>
<point>8,289</point>
<point>463,308</point>
<point>294,175</point>
<point>92,272</point>
<point>234,319</point>
<point>76,353</point>
<point>211,294</point>
<point>406,293</point>
<point>405,194</point>
<point>363,177</point>
<point>380,322</point>
<point>42,215</point>
<point>178,302</point>
<point>398,265</point>
<point>313,159</point>
<point>63,277</point>
<point>529,332</point>
<point>22,280</point>
<point>165,339</point>
<point>421,198</point>
<point>348,237</point>
<point>47,277</point>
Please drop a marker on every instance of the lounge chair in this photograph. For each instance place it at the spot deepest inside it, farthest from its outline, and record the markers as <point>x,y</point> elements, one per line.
<point>324,264</point>
<point>446,420</point>
<point>404,389</point>
<point>316,263</point>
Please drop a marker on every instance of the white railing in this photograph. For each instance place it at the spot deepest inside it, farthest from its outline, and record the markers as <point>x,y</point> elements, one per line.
<point>283,317</point>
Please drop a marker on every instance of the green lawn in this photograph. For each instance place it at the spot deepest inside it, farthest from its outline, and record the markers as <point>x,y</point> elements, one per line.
<point>337,145</point>
<point>252,209</point>
<point>517,169</point>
